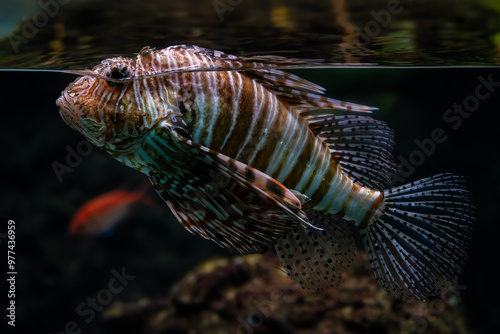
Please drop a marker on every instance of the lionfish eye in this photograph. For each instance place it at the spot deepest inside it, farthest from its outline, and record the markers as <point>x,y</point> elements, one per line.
<point>117,73</point>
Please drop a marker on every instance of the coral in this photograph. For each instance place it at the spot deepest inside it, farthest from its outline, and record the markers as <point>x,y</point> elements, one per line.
<point>252,294</point>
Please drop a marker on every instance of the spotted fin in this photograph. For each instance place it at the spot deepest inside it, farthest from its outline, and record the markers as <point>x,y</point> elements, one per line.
<point>235,225</point>
<point>418,246</point>
<point>316,259</point>
<point>362,145</point>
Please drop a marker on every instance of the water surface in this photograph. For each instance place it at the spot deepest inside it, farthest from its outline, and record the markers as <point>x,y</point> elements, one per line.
<point>78,34</point>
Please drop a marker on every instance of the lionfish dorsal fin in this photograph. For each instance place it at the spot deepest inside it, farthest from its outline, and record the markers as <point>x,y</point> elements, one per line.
<point>225,61</point>
<point>300,94</point>
<point>268,71</point>
<point>361,145</point>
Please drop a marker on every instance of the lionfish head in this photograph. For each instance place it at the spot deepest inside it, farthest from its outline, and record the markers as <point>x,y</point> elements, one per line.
<point>109,108</point>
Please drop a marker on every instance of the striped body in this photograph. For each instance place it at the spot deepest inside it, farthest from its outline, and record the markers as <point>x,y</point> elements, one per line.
<point>241,119</point>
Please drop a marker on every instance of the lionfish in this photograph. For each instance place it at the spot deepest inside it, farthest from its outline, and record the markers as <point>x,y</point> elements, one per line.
<point>255,158</point>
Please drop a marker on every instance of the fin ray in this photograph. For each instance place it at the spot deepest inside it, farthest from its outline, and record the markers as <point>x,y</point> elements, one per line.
<point>219,198</point>
<point>256,181</point>
<point>238,227</point>
<point>316,259</point>
<point>364,146</point>
<point>417,248</point>
<point>301,94</point>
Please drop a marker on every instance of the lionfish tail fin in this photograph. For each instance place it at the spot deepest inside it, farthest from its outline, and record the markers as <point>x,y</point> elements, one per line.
<point>316,257</point>
<point>418,246</point>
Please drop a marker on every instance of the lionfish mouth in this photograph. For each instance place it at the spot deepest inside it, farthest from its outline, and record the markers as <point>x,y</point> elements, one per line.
<point>67,109</point>
<point>71,114</point>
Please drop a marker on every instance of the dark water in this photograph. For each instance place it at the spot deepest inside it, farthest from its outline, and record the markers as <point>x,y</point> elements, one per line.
<point>58,271</point>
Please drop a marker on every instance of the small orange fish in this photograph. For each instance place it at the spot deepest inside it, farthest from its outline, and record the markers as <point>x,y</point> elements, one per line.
<point>100,214</point>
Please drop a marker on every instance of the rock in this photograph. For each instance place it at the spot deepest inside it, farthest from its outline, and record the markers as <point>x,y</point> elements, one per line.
<point>252,294</point>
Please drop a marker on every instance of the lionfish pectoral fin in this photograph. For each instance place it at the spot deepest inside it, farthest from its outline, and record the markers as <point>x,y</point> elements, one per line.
<point>418,246</point>
<point>316,258</point>
<point>221,199</point>
<point>261,184</point>
<point>226,220</point>
<point>303,198</point>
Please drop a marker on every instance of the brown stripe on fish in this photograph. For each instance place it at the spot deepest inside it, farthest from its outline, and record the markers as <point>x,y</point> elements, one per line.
<point>148,91</point>
<point>257,104</point>
<point>332,192</point>
<point>289,150</point>
<point>198,82</point>
<point>218,107</point>
<point>350,200</point>
<point>213,80</point>
<point>268,146</point>
<point>373,213</point>
<point>297,169</point>
<point>314,178</point>
<point>227,119</point>
<point>306,176</point>
<point>238,101</point>
<point>269,122</point>
<point>245,120</point>
<point>328,193</point>
<point>254,104</point>
<point>298,152</point>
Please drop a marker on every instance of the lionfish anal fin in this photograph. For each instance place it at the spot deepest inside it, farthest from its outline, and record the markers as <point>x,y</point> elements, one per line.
<point>316,259</point>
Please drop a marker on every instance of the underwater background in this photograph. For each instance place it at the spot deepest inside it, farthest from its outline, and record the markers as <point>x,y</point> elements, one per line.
<point>58,272</point>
